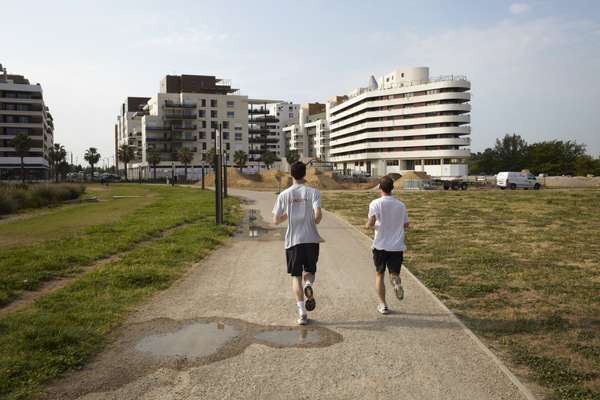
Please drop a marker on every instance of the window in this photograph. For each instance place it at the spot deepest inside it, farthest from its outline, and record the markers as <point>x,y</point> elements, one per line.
<point>432,162</point>
<point>203,103</point>
<point>230,103</point>
<point>291,115</point>
<point>238,136</point>
<point>402,75</point>
<point>203,124</point>
<point>230,114</point>
<point>225,135</point>
<point>212,135</point>
<point>213,103</point>
<point>204,146</point>
<point>214,125</point>
<point>227,146</point>
<point>225,124</point>
<point>202,135</point>
<point>392,163</point>
<point>213,113</point>
<point>202,113</point>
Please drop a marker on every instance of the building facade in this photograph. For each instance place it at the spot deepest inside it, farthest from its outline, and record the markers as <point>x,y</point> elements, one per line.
<point>266,120</point>
<point>309,136</point>
<point>405,120</point>
<point>187,112</point>
<point>22,110</point>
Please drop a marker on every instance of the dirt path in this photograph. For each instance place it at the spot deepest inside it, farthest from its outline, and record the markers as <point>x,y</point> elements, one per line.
<point>226,331</point>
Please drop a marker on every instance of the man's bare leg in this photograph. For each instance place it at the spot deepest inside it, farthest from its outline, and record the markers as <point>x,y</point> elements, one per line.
<point>309,279</point>
<point>380,286</point>
<point>397,285</point>
<point>297,288</point>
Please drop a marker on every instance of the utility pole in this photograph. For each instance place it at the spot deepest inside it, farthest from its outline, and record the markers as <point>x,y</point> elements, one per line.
<point>202,168</point>
<point>225,176</point>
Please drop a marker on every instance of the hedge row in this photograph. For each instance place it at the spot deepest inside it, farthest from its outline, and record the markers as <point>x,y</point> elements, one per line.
<point>16,197</point>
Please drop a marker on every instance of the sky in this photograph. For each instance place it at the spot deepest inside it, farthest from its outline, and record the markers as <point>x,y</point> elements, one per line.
<point>534,66</point>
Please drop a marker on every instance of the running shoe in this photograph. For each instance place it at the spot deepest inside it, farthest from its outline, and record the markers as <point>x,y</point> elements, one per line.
<point>302,319</point>
<point>310,302</point>
<point>398,287</point>
<point>383,309</point>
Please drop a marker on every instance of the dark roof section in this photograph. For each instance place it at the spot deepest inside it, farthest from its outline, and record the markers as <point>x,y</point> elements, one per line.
<point>194,84</point>
<point>18,79</point>
<point>136,103</point>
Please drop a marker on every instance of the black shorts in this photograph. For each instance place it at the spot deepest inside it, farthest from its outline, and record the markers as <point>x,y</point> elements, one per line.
<point>390,259</point>
<point>302,257</point>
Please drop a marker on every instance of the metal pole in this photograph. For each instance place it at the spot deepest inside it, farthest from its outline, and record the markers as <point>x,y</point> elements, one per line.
<point>202,167</point>
<point>217,161</point>
<point>221,165</point>
<point>225,176</point>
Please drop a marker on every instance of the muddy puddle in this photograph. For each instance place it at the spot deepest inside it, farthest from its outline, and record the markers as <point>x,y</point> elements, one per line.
<point>167,343</point>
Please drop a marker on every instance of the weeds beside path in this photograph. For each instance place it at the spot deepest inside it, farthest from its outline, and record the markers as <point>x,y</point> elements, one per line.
<point>63,329</point>
<point>519,268</point>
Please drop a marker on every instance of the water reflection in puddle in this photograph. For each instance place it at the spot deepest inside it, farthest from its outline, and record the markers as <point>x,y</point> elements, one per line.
<point>289,337</point>
<point>195,340</point>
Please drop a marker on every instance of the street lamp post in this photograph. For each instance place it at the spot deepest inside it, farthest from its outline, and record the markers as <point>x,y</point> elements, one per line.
<point>202,168</point>
<point>225,175</point>
<point>172,174</point>
<point>218,189</point>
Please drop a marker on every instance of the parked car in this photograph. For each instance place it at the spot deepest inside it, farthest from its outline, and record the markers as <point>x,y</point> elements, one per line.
<point>516,180</point>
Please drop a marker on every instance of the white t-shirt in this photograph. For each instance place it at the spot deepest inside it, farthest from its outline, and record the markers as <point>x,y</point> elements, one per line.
<point>391,215</point>
<point>299,202</point>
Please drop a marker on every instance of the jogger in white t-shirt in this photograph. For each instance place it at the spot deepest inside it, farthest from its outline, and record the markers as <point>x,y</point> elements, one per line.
<point>389,217</point>
<point>300,205</point>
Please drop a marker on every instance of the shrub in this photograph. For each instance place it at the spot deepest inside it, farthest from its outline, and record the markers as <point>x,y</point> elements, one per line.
<point>15,197</point>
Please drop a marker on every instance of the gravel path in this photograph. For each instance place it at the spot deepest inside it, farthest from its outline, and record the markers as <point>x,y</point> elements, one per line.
<point>420,351</point>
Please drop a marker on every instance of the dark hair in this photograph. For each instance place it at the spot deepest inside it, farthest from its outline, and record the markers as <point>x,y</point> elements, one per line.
<point>298,170</point>
<point>386,184</point>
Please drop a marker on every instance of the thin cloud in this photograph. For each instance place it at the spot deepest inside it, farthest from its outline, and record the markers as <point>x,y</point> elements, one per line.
<point>187,37</point>
<point>519,8</point>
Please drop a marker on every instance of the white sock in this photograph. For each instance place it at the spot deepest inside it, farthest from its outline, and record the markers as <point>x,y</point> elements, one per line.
<point>301,307</point>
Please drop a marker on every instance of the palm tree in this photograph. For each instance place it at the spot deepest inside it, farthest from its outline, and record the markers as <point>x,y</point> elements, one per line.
<point>268,157</point>
<point>211,157</point>
<point>57,154</point>
<point>92,157</point>
<point>292,156</point>
<point>22,143</point>
<point>153,157</point>
<point>240,158</point>
<point>185,155</point>
<point>126,154</point>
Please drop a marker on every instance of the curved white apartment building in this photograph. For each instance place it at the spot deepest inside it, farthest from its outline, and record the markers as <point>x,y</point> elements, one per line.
<point>403,121</point>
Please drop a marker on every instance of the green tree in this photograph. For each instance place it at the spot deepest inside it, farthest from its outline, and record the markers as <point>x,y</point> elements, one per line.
<point>211,157</point>
<point>153,157</point>
<point>485,162</point>
<point>240,158</point>
<point>268,157</point>
<point>185,156</point>
<point>63,169</point>
<point>92,157</point>
<point>56,155</point>
<point>511,153</point>
<point>22,143</point>
<point>554,157</point>
<point>292,156</point>
<point>126,154</point>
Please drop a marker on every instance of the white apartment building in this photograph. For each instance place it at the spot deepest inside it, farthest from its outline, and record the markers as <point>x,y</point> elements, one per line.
<point>128,129</point>
<point>186,113</point>
<point>310,135</point>
<point>22,110</point>
<point>405,120</point>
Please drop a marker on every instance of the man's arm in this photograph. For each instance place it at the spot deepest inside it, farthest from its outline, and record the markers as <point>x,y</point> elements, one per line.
<point>318,215</point>
<point>371,222</point>
<point>277,219</point>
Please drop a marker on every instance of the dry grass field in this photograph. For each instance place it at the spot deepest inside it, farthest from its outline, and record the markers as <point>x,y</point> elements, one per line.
<point>520,268</point>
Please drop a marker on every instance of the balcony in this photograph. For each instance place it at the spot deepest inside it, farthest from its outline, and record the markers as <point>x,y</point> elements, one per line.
<point>158,128</point>
<point>184,128</point>
<point>179,116</point>
<point>259,131</point>
<point>172,104</point>
<point>262,111</point>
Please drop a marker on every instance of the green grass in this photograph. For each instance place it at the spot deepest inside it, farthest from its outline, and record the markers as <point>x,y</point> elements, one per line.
<point>519,268</point>
<point>62,330</point>
<point>26,266</point>
<point>58,222</point>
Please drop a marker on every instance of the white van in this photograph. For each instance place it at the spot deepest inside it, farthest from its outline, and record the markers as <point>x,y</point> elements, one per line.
<point>515,180</point>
